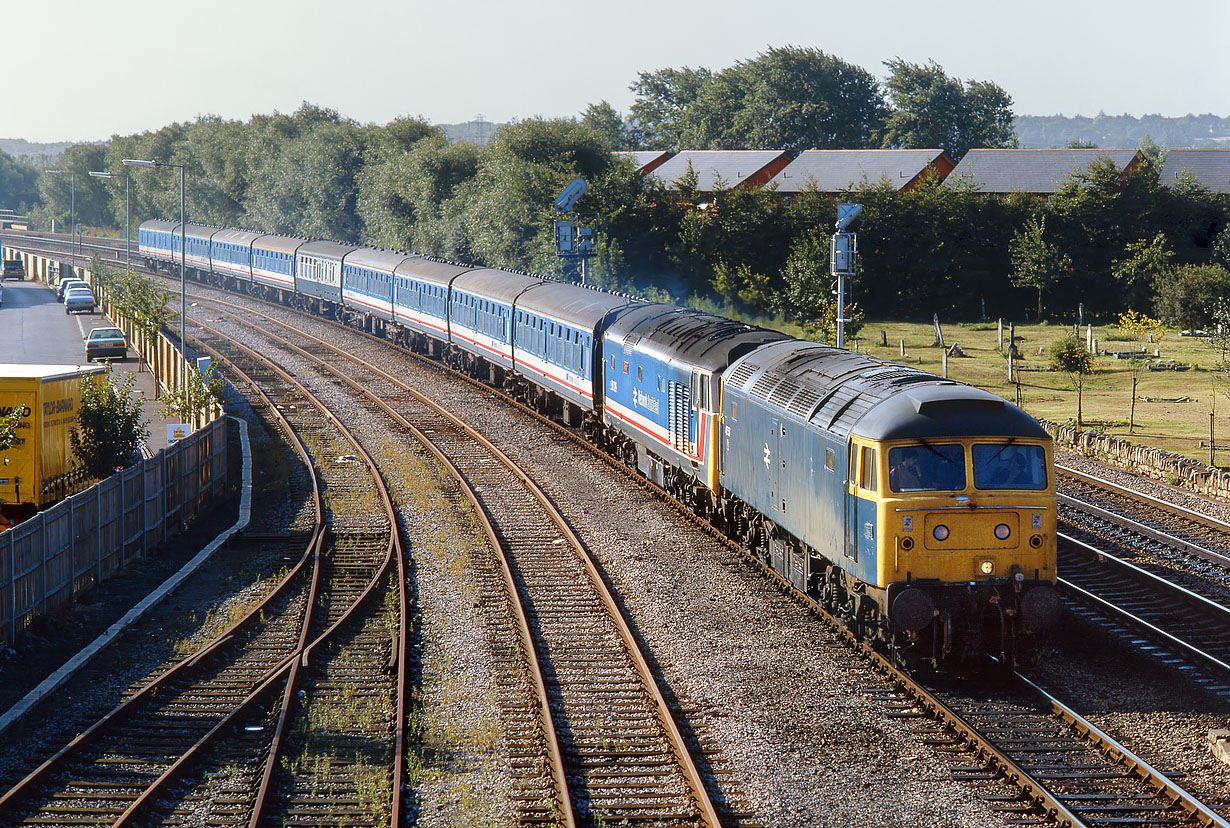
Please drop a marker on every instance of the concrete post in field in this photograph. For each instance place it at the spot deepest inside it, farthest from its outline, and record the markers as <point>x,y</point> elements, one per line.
<point>945,361</point>
<point>1089,339</point>
<point>1000,340</point>
<point>1011,367</point>
<point>902,343</point>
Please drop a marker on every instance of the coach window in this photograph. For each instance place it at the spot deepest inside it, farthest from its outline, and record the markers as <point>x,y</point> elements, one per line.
<point>640,374</point>
<point>830,460</point>
<point>868,479</point>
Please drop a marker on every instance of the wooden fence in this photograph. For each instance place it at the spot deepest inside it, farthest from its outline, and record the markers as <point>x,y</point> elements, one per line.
<point>49,560</point>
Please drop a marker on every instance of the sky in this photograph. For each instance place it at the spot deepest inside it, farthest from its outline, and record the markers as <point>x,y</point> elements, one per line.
<point>79,70</point>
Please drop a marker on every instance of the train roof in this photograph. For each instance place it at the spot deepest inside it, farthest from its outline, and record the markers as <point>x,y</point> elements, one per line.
<point>699,339</point>
<point>159,224</point>
<point>430,271</point>
<point>237,236</point>
<point>376,258</point>
<point>503,285</point>
<point>326,249</point>
<point>578,305</point>
<point>200,231</point>
<point>278,242</point>
<point>849,393</point>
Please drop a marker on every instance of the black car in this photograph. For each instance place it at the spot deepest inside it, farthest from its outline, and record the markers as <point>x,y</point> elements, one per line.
<point>14,269</point>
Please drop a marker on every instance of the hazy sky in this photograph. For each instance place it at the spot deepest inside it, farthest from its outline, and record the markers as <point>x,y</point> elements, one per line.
<point>88,69</point>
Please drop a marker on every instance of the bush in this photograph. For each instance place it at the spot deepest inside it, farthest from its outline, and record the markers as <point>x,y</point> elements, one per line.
<point>1185,296</point>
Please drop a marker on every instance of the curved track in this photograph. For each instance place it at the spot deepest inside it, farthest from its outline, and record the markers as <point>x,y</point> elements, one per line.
<point>608,735</point>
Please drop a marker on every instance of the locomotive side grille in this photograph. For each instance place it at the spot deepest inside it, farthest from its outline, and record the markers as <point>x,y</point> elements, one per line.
<point>680,396</point>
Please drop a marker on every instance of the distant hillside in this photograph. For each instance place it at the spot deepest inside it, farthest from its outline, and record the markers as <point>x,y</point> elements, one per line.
<point>477,131</point>
<point>1123,131</point>
<point>22,149</point>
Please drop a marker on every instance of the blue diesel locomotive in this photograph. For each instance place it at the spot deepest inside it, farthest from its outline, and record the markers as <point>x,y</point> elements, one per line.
<point>920,510</point>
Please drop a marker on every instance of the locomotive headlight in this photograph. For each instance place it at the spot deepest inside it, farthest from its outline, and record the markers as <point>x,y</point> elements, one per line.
<point>986,567</point>
<point>1002,531</point>
<point>940,532</point>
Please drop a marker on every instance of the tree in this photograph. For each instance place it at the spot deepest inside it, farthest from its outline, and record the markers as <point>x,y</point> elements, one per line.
<point>932,109</point>
<point>1221,246</point>
<point>1069,356</point>
<point>808,298</point>
<point>797,99</point>
<point>661,99</point>
<point>109,426</point>
<point>194,399</point>
<point>1036,263</point>
<point>1141,330</point>
<point>1145,263</point>
<point>1187,295</point>
<point>605,121</point>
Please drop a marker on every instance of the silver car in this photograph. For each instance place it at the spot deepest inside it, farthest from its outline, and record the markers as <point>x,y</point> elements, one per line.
<point>78,299</point>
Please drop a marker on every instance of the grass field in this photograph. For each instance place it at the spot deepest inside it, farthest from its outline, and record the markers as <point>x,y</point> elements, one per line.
<point>1161,420</point>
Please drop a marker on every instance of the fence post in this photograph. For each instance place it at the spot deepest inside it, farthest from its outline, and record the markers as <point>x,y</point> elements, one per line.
<point>42,535</point>
<point>97,529</point>
<point>12,588</point>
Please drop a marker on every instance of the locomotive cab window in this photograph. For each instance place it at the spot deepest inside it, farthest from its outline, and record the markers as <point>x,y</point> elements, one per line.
<point>1007,466</point>
<point>926,468</point>
<point>867,478</point>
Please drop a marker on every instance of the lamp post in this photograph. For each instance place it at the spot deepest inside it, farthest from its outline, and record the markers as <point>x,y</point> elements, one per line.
<point>183,249</point>
<point>72,208</point>
<point>127,205</point>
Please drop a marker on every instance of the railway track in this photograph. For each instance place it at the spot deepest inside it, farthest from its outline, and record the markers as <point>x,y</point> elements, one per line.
<point>336,752</point>
<point>143,761</point>
<point>1023,739</point>
<point>1054,764</point>
<point>605,745</point>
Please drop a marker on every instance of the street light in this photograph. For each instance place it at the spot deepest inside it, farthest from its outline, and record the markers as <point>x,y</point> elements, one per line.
<point>127,202</point>
<point>183,249</point>
<point>72,208</point>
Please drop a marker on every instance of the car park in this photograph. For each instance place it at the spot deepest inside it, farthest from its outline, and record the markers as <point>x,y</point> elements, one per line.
<point>70,283</point>
<point>14,269</point>
<point>102,343</point>
<point>79,299</point>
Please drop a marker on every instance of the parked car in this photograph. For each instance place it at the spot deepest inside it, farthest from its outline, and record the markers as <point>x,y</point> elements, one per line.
<point>102,343</point>
<point>14,269</point>
<point>79,299</point>
<point>70,283</point>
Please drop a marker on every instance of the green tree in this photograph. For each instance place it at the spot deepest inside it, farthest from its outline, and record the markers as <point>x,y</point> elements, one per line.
<point>605,121</point>
<point>1069,356</point>
<point>662,97</point>
<point>1188,294</point>
<point>932,109</point>
<point>1221,245</point>
<point>808,299</point>
<point>1144,263</point>
<point>194,399</point>
<point>18,184</point>
<point>1037,263</point>
<point>109,425</point>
